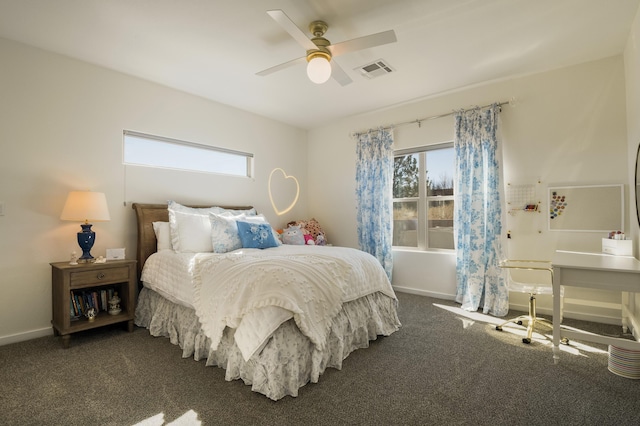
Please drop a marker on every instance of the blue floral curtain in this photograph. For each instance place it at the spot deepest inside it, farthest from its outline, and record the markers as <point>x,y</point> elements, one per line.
<point>478,214</point>
<point>374,192</point>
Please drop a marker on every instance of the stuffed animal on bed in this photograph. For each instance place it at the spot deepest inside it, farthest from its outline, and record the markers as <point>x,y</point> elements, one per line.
<point>313,227</point>
<point>311,230</point>
<point>293,235</point>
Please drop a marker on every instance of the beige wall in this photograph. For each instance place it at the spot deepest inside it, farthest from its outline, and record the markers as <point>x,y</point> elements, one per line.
<point>61,124</point>
<point>568,126</point>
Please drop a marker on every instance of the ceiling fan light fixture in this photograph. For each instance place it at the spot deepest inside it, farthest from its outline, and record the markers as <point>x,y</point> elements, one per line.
<point>318,68</point>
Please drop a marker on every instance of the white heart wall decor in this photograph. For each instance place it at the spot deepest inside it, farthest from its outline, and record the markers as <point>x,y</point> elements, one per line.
<point>295,200</point>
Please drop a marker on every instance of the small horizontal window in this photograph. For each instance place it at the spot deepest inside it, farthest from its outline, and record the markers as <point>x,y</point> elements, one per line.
<point>156,151</point>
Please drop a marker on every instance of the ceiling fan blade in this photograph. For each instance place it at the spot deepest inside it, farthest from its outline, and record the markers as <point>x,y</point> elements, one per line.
<point>338,74</point>
<point>365,42</point>
<point>282,66</point>
<point>287,24</point>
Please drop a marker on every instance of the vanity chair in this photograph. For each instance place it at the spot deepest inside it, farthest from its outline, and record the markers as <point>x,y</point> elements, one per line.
<point>544,272</point>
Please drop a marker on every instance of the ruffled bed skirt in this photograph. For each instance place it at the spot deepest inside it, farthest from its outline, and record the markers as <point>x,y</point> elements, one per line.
<point>288,360</point>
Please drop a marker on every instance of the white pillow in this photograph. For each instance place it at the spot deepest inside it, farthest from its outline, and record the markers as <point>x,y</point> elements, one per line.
<point>190,228</point>
<point>163,235</point>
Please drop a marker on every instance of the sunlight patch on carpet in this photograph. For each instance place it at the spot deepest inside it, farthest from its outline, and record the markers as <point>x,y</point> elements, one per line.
<point>190,418</point>
<point>470,318</point>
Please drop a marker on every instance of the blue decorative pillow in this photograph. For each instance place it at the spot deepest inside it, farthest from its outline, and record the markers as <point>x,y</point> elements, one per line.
<point>256,235</point>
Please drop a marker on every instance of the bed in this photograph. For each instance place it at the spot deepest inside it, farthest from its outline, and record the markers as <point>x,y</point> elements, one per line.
<point>237,310</point>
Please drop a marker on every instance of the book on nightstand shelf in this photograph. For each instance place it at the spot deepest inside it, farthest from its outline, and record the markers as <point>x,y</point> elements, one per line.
<point>81,301</point>
<point>72,313</point>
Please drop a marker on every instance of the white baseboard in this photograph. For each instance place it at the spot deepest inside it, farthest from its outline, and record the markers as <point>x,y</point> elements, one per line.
<point>21,337</point>
<point>424,293</point>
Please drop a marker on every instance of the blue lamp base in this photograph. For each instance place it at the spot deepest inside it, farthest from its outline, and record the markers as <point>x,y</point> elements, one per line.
<point>86,239</point>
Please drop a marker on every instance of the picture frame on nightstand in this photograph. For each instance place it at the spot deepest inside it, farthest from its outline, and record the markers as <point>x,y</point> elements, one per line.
<point>115,254</point>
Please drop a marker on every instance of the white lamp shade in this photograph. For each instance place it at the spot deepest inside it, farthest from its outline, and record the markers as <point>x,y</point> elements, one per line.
<point>85,206</point>
<point>319,70</point>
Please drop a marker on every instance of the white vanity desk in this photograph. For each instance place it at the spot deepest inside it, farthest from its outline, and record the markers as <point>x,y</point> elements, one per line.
<point>599,271</point>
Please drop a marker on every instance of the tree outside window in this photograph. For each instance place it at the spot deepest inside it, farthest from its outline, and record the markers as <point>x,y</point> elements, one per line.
<point>423,198</point>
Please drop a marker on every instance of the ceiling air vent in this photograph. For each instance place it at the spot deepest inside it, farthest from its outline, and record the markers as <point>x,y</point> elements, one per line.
<point>375,69</point>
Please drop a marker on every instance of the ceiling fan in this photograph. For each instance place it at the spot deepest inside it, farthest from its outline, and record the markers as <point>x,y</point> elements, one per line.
<point>320,51</point>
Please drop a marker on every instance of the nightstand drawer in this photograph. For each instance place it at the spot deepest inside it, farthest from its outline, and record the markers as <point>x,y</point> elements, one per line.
<point>100,276</point>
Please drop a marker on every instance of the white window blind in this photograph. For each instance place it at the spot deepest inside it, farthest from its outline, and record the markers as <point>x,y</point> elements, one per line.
<point>156,151</point>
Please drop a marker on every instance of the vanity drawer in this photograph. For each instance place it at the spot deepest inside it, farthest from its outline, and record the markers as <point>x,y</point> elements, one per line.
<point>99,276</point>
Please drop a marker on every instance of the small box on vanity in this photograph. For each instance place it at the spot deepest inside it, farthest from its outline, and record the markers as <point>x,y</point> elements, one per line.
<point>617,247</point>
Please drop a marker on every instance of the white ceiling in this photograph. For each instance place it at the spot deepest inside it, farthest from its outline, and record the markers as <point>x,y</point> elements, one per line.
<point>213,48</point>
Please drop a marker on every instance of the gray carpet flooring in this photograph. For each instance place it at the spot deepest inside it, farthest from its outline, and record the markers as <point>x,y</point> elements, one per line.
<point>441,368</point>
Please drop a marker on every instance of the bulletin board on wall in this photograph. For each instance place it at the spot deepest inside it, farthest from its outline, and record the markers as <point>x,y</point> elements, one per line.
<point>590,208</point>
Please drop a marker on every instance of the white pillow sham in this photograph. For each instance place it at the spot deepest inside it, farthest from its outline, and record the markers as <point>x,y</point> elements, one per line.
<point>163,235</point>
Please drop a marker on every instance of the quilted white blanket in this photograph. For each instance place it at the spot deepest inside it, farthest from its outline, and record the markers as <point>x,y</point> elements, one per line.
<point>254,291</point>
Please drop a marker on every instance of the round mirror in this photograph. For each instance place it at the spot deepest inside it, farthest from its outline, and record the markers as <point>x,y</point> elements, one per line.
<point>637,184</point>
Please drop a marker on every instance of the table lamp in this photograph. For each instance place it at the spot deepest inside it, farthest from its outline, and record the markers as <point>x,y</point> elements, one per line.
<point>85,206</point>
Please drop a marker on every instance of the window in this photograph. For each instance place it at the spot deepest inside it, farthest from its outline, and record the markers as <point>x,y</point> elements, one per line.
<point>423,197</point>
<point>157,151</point>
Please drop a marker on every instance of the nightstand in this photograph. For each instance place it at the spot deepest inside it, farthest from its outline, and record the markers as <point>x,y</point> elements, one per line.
<point>76,288</point>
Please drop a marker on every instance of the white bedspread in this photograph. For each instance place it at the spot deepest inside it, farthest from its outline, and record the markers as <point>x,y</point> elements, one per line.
<point>254,291</point>
<point>171,275</point>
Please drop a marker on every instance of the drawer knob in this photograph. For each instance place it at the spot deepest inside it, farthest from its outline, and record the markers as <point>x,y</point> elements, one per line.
<point>101,275</point>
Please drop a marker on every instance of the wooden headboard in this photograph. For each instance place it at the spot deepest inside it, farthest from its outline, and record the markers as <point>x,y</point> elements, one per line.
<point>146,214</point>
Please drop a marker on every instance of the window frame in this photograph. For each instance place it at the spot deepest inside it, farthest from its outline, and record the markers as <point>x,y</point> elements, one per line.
<point>195,146</point>
<point>423,199</point>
